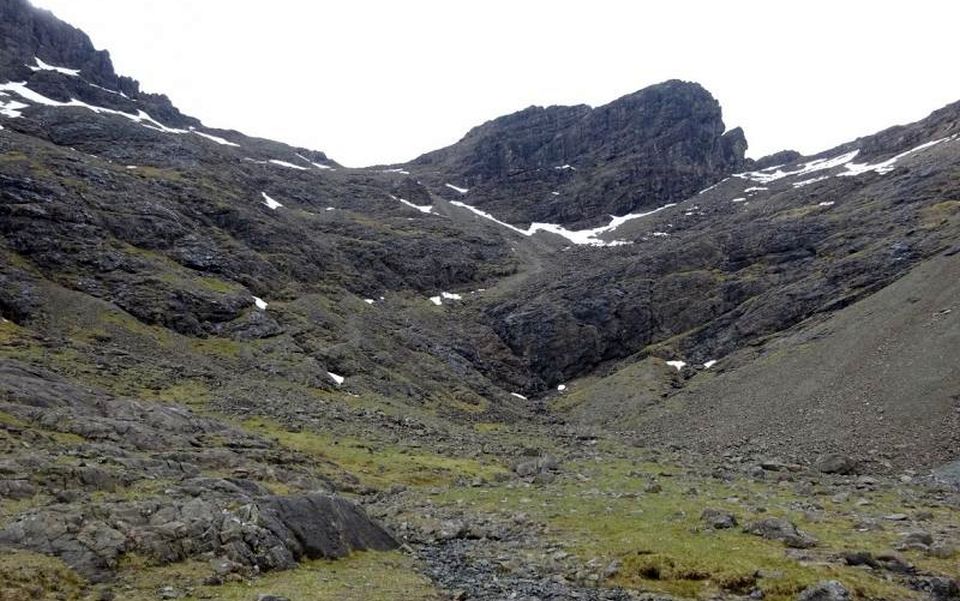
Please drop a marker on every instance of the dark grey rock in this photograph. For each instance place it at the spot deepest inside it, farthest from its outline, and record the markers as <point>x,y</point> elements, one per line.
<point>829,590</point>
<point>718,519</point>
<point>781,530</point>
<point>836,463</point>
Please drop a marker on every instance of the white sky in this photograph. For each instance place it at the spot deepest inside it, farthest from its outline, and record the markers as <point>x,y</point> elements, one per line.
<point>383,81</point>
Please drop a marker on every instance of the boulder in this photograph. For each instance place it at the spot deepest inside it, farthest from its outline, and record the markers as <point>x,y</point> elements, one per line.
<point>835,463</point>
<point>939,588</point>
<point>781,530</point>
<point>718,519</point>
<point>829,590</point>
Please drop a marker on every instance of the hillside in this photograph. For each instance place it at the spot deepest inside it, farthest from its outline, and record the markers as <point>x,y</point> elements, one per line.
<point>583,353</point>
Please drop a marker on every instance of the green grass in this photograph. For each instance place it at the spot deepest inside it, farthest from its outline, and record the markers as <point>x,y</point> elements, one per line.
<point>374,464</point>
<point>662,545</point>
<point>33,577</point>
<point>366,576</point>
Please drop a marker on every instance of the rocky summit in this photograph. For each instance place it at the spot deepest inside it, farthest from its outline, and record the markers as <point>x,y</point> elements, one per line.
<point>583,353</point>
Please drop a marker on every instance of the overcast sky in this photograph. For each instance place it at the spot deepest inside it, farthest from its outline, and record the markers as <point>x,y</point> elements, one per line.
<point>373,82</point>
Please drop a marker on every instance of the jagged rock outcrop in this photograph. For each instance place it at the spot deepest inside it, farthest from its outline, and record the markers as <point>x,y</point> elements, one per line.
<point>118,445</point>
<point>577,165</point>
<point>28,33</point>
<point>262,532</point>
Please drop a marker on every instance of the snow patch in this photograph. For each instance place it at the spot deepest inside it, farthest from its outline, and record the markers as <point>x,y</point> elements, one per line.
<point>93,85</point>
<point>659,234</point>
<point>260,303</point>
<point>755,189</point>
<point>216,139</point>
<point>317,165</point>
<point>12,108</point>
<point>705,190</point>
<point>369,301</point>
<point>21,89</point>
<point>336,378</point>
<point>422,208</point>
<point>678,364</point>
<point>887,166</point>
<point>398,170</point>
<point>269,202</point>
<point>709,364</point>
<point>457,189</point>
<point>844,160</point>
<point>42,66</point>
<point>584,237</point>
<point>565,168</point>
<point>438,300</point>
<point>741,199</point>
<point>518,395</point>
<point>826,203</point>
<point>286,164</point>
<point>561,387</point>
<point>813,180</point>
<point>764,177</point>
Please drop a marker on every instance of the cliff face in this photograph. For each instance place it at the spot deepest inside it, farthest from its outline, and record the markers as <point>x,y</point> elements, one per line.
<point>577,165</point>
<point>28,34</point>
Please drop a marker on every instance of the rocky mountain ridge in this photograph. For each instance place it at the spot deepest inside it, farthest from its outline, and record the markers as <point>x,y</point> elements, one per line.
<point>575,165</point>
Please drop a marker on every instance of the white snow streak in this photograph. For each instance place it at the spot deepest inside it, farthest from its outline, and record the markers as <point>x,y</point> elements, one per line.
<point>42,66</point>
<point>12,108</point>
<point>763,177</point>
<point>286,164</point>
<point>709,364</point>
<point>888,165</point>
<point>844,160</point>
<point>457,189</point>
<point>705,190</point>
<point>336,378</point>
<point>585,237</point>
<point>270,203</point>
<point>216,139</point>
<point>813,180</point>
<point>21,89</point>
<point>518,395</point>
<point>678,364</point>
<point>317,165</point>
<point>261,304</point>
<point>438,300</point>
<point>422,208</point>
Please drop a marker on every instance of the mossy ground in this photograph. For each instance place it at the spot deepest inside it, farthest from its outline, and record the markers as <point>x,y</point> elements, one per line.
<point>32,577</point>
<point>599,511</point>
<point>379,465</point>
<point>368,576</point>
